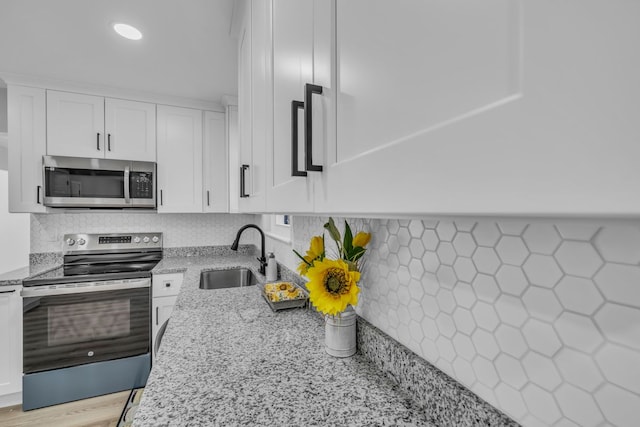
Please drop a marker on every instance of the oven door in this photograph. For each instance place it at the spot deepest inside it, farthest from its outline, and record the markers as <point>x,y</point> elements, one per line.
<point>79,323</point>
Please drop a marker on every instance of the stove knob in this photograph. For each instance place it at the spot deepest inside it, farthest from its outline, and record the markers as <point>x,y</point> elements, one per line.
<point>155,239</point>
<point>146,239</point>
<point>81,241</point>
<point>136,240</point>
<point>71,242</point>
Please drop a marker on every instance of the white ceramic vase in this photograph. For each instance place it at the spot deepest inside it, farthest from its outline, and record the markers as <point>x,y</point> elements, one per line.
<point>340,333</point>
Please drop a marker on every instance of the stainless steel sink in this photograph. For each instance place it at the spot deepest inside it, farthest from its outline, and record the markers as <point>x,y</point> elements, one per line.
<point>234,278</point>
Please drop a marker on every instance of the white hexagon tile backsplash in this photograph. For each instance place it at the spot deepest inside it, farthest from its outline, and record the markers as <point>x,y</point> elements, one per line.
<point>539,318</point>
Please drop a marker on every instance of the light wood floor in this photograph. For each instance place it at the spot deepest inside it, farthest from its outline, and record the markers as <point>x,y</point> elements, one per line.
<point>101,411</point>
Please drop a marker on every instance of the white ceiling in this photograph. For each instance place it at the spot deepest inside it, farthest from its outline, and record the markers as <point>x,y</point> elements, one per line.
<point>186,50</point>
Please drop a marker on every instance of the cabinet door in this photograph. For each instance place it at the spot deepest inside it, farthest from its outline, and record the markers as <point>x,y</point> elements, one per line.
<point>27,145</point>
<point>292,69</point>
<point>162,307</point>
<point>11,339</point>
<point>215,186</point>
<point>179,159</point>
<point>492,108</point>
<point>130,128</point>
<point>75,125</point>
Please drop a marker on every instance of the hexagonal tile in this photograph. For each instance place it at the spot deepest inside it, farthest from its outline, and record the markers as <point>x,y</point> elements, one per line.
<point>445,348</point>
<point>393,244</point>
<point>541,404</point>
<point>446,230</point>
<point>620,365</point>
<point>542,270</point>
<point>446,276</point>
<point>393,226</point>
<point>464,371</point>
<point>486,233</point>
<point>430,283</point>
<point>573,230</point>
<point>511,340</point>
<point>430,240</point>
<point>416,311</point>
<point>415,289</point>
<point>464,295</point>
<point>465,270</point>
<point>403,315</point>
<point>541,371</point>
<point>416,228</point>
<point>404,256</point>
<point>619,244</point>
<point>485,316</point>
<point>513,228</point>
<point>620,324</point>
<point>485,344</point>
<point>578,369</point>
<point>393,262</point>
<point>511,401</point>
<point>579,294</point>
<point>619,283</point>
<point>430,306</point>
<point>404,237</point>
<point>446,326</point>
<point>541,238</point>
<point>578,332</point>
<point>464,346</point>
<point>512,279</point>
<point>416,248</point>
<point>486,260</point>
<point>486,288</point>
<point>415,330</point>
<point>463,320</point>
<point>578,405</point>
<point>578,258</point>
<point>430,328</point>
<point>510,371</point>
<point>416,269</point>
<point>485,371</point>
<point>541,337</point>
<point>430,261</point>
<point>542,303</point>
<point>464,244</point>
<point>446,253</point>
<point>464,225</point>
<point>511,310</point>
<point>620,407</point>
<point>511,250</point>
<point>429,350</point>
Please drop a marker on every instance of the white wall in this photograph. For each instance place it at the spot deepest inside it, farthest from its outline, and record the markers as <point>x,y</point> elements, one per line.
<point>14,232</point>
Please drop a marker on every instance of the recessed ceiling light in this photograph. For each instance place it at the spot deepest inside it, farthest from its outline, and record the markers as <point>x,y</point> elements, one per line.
<point>127,31</point>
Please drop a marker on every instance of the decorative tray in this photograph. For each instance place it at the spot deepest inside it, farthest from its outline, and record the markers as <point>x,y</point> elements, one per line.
<point>283,295</point>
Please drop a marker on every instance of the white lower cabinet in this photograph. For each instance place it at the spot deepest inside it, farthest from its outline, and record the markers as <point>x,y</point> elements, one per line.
<point>11,339</point>
<point>165,289</point>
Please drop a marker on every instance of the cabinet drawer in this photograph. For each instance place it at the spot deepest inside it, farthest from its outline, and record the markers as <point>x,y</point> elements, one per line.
<point>167,284</point>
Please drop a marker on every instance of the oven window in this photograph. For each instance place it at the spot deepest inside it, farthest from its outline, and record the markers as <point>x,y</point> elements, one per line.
<point>74,329</point>
<point>65,182</point>
<point>88,321</point>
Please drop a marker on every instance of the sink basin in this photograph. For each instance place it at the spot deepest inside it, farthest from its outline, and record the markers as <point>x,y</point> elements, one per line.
<point>221,279</point>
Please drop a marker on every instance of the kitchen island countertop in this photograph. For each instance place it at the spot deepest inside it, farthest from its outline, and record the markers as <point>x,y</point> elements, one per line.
<point>227,359</point>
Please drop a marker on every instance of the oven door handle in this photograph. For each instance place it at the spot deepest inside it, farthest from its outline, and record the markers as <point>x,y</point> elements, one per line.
<point>127,184</point>
<point>85,287</point>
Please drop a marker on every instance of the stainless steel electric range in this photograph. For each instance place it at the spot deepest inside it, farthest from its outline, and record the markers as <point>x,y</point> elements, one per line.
<point>86,325</point>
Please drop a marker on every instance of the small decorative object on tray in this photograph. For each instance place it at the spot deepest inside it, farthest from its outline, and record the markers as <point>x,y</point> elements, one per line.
<point>282,295</point>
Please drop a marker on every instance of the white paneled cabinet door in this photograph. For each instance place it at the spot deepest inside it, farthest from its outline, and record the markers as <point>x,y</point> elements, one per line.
<point>75,125</point>
<point>215,186</point>
<point>462,107</point>
<point>179,159</point>
<point>11,339</point>
<point>27,145</point>
<point>130,129</point>
<point>290,189</point>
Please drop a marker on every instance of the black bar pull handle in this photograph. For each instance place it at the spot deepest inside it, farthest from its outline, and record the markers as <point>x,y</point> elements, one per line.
<point>208,199</point>
<point>309,90</point>
<point>161,198</point>
<point>8,292</point>
<point>38,188</point>
<point>295,107</point>
<point>109,142</point>
<point>243,193</point>
<point>98,141</point>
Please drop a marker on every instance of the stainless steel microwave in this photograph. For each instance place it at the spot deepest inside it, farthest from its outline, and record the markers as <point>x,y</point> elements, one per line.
<point>75,182</point>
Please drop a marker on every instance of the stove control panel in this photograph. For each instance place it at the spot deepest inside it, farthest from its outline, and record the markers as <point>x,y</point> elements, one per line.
<point>100,242</point>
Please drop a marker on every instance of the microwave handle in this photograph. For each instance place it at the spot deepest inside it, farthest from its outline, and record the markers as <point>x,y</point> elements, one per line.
<point>127,175</point>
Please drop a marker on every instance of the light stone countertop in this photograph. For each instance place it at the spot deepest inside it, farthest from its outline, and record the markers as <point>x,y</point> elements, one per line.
<point>227,359</point>
<point>15,277</point>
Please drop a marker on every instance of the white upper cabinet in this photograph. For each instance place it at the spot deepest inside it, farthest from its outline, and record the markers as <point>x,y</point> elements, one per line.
<point>503,107</point>
<point>179,159</point>
<point>216,178</point>
<point>27,144</point>
<point>130,128</point>
<point>81,125</point>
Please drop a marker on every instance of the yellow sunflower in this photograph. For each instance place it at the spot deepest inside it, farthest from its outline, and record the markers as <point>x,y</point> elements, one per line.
<point>332,286</point>
<point>315,252</point>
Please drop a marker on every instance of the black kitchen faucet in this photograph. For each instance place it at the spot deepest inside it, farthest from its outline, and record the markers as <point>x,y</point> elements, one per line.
<point>262,259</point>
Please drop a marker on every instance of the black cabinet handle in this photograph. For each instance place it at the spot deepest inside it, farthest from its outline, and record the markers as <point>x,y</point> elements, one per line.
<point>243,193</point>
<point>309,90</point>
<point>38,194</point>
<point>295,106</point>
<point>160,197</point>
<point>208,199</point>
<point>8,292</point>
<point>109,142</point>
<point>157,315</point>
<point>98,141</point>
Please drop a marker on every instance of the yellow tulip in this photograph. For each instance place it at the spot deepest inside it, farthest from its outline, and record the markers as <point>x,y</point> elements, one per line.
<point>361,239</point>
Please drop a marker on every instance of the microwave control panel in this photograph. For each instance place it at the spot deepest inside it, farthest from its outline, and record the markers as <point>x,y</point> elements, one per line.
<point>141,185</point>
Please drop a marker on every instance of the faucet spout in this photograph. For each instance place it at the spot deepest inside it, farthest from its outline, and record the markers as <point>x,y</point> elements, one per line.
<point>262,259</point>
